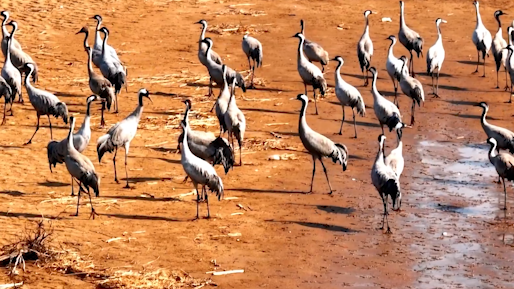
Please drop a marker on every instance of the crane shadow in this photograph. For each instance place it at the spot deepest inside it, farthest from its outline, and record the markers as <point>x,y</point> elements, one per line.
<point>462,102</point>
<point>70,94</point>
<point>160,93</point>
<point>29,216</point>
<point>356,157</point>
<point>440,74</point>
<point>270,191</point>
<point>359,76</point>
<point>53,184</point>
<point>269,110</point>
<point>359,123</point>
<point>11,147</point>
<point>143,179</point>
<point>140,198</point>
<point>332,228</point>
<point>145,218</point>
<point>336,209</point>
<point>469,62</point>
<point>177,162</point>
<point>456,88</point>
<point>268,89</point>
<point>13,193</point>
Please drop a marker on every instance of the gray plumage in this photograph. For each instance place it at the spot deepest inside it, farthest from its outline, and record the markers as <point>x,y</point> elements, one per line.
<point>121,134</point>
<point>394,67</point>
<point>221,105</point>
<point>112,69</point>
<point>435,57</point>
<point>386,182</point>
<point>348,95</point>
<point>394,159</point>
<point>100,86</point>
<point>45,103</point>
<point>201,173</point>
<point>205,145</point>
<point>365,49</point>
<point>11,74</point>
<point>313,51</point>
<point>6,34</point>
<point>216,71</point>
<point>319,146</point>
<point>510,63</point>
<point>310,73</point>
<point>504,137</point>
<point>236,124</point>
<point>412,88</point>
<point>410,39</point>
<point>504,165</point>
<point>6,92</point>
<point>95,53</point>
<point>498,49</point>
<point>202,47</point>
<point>481,38</point>
<point>386,112</point>
<point>253,49</point>
<point>81,169</point>
<point>99,44</point>
<point>19,58</point>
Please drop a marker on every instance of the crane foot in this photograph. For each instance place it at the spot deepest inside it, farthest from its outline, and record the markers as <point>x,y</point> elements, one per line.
<point>506,88</point>
<point>476,71</point>
<point>388,232</point>
<point>93,214</point>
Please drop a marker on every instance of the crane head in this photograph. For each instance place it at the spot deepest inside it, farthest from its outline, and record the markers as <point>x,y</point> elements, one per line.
<point>391,37</point>
<point>104,30</point>
<point>339,59</point>
<point>97,18</point>
<point>91,98</point>
<point>475,3</point>
<point>203,22</point>
<point>367,12</point>
<point>187,102</point>
<point>397,201</point>
<point>482,105</point>
<point>439,21</point>
<point>492,141</point>
<point>84,29</point>
<point>208,41</point>
<point>14,25</point>
<point>302,97</point>
<point>298,35</point>
<point>5,14</point>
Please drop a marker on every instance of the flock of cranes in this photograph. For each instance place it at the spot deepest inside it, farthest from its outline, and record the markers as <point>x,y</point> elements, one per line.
<point>201,151</point>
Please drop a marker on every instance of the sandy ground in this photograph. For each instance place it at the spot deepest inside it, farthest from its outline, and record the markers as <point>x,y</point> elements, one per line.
<point>449,234</point>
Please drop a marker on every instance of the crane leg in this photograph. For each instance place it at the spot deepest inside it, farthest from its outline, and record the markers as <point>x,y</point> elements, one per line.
<point>197,202</point>
<point>478,61</point>
<point>411,62</point>
<point>78,200</point>
<point>326,175</point>
<point>437,84</point>
<point>210,87</point>
<point>37,128</point>
<point>413,108</point>
<point>72,192</point>
<point>354,123</point>
<point>386,216</point>
<point>305,87</point>
<point>207,200</point>
<point>342,121</point>
<point>114,163</point>
<point>51,133</point>
<point>313,172</point>
<point>483,59</point>
<point>93,212</point>
<point>213,105</point>
<point>384,202</point>
<point>126,171</point>
<point>5,107</point>
<point>505,197</point>
<point>497,81</point>
<point>240,151</point>
<point>382,126</point>
<point>506,80</point>
<point>102,121</point>
<point>253,74</point>
<point>315,101</point>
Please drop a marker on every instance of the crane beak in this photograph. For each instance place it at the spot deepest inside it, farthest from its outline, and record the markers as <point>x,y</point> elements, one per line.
<point>148,96</point>
<point>444,21</point>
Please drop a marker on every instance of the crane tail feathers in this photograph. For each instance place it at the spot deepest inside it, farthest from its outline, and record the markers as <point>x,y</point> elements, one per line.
<point>361,107</point>
<point>240,81</point>
<point>55,154</point>
<point>216,185</point>
<point>118,80</point>
<point>340,155</point>
<point>418,46</point>
<point>60,110</point>
<point>394,122</point>
<point>103,145</point>
<point>417,95</point>
<point>223,154</point>
<point>321,84</point>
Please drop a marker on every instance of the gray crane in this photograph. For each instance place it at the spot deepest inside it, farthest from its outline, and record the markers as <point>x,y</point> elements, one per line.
<point>205,145</point>
<point>365,49</point>
<point>310,73</point>
<point>112,69</point>
<point>318,145</point>
<point>481,38</point>
<point>6,34</point>
<point>96,54</point>
<point>412,88</point>
<point>19,58</point>
<point>504,137</point>
<point>216,71</point>
<point>236,124</point>
<point>314,51</point>
<point>435,57</point>
<point>348,95</point>
<point>410,39</point>
<point>121,134</point>
<point>45,103</point>
<point>394,67</point>
<point>394,159</point>
<point>11,74</point>
<point>386,112</point>
<point>202,47</point>
<point>6,92</point>
<point>510,64</point>
<point>82,170</point>
<point>201,173</point>
<point>221,104</point>
<point>386,182</point>
<point>99,44</point>
<point>253,49</point>
<point>57,150</point>
<point>504,165</point>
<point>498,49</point>
<point>100,86</point>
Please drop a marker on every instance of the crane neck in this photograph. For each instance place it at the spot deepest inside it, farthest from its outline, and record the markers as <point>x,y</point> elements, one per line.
<point>302,120</point>
<point>89,60</point>
<point>104,43</point>
<point>483,119</point>
<point>479,19</point>
<point>186,116</point>
<point>380,153</point>
<point>439,35</point>
<point>9,45</point>
<point>202,34</point>
<point>303,28</point>
<point>391,47</point>
<point>402,17</point>
<point>374,89</point>
<point>185,146</point>
<point>492,151</point>
<point>497,17</point>
<point>404,72</point>
<point>98,38</point>
<point>5,33</point>
<point>366,27</point>
<point>88,113</point>
<point>70,136</point>
<point>510,37</point>
<point>86,38</point>
<point>338,72</point>
<point>208,52</point>
<point>27,79</point>
<point>300,48</point>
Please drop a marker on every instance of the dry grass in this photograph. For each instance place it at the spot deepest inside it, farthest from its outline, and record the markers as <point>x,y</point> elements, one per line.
<point>225,28</point>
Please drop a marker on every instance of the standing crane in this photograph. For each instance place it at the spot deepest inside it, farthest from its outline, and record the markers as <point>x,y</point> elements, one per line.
<point>348,95</point>
<point>481,38</point>
<point>202,47</point>
<point>386,112</point>
<point>121,134</point>
<point>365,49</point>
<point>45,103</point>
<point>236,124</point>
<point>504,137</point>
<point>386,182</point>
<point>410,39</point>
<point>504,165</point>
<point>412,88</point>
<point>310,73</point>
<point>318,145</point>
<point>253,49</point>
<point>395,158</point>
<point>57,150</point>
<point>99,44</point>
<point>19,58</point>
<point>394,67</point>
<point>10,73</point>
<point>498,48</point>
<point>221,104</point>
<point>6,34</point>
<point>314,51</point>
<point>201,173</point>
<point>435,57</point>
<point>82,170</point>
<point>6,92</point>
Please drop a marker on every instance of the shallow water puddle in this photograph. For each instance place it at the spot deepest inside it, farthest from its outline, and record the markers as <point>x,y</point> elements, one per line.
<point>453,195</point>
